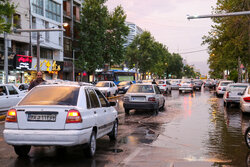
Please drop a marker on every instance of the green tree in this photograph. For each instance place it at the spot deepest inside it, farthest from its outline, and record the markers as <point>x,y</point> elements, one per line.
<point>116,31</point>
<point>175,65</point>
<point>7,9</point>
<point>189,72</point>
<point>228,38</point>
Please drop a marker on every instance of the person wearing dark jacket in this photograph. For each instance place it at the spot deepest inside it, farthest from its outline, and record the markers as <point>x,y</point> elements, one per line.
<point>37,81</point>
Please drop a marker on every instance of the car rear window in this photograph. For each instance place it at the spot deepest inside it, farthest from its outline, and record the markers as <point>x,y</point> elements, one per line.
<point>141,89</point>
<point>102,84</point>
<point>237,87</point>
<point>52,95</point>
<point>225,83</point>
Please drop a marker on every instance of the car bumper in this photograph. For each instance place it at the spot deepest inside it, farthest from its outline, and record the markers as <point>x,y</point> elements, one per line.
<point>47,137</point>
<point>140,105</point>
<point>220,92</point>
<point>174,87</point>
<point>185,88</point>
<point>228,100</point>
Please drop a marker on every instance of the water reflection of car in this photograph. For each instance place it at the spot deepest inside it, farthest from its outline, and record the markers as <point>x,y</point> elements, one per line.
<point>245,101</point>
<point>60,115</point>
<point>221,89</point>
<point>186,85</point>
<point>108,88</point>
<point>143,96</point>
<point>233,93</point>
<point>124,86</point>
<point>165,86</point>
<point>10,95</point>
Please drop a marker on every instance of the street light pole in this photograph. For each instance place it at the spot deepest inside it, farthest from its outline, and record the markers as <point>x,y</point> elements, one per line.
<point>38,52</point>
<point>73,68</point>
<point>6,57</point>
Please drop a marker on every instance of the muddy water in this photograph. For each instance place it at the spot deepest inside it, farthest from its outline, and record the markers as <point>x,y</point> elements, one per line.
<point>200,128</point>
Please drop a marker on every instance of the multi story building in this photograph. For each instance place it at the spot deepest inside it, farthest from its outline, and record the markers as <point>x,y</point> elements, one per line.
<point>18,43</point>
<point>134,30</point>
<point>34,14</point>
<point>71,15</point>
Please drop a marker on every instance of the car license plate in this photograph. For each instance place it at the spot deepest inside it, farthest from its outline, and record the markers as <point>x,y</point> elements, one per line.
<point>137,98</point>
<point>42,117</point>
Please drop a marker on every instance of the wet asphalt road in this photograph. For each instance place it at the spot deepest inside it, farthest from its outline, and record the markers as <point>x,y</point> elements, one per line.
<point>193,130</point>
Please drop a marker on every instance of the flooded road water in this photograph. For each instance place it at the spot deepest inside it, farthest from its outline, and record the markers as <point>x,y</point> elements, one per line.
<point>193,130</point>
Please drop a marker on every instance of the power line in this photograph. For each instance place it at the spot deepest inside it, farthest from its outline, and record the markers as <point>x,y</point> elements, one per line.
<point>195,51</point>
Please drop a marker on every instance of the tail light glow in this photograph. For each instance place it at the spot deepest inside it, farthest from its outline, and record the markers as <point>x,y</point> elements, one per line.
<point>219,88</point>
<point>246,99</point>
<point>164,85</point>
<point>227,95</point>
<point>73,116</point>
<point>151,99</point>
<point>11,116</point>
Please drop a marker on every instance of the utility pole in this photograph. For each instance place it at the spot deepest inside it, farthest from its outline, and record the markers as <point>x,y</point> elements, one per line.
<point>38,52</point>
<point>243,13</point>
<point>6,66</point>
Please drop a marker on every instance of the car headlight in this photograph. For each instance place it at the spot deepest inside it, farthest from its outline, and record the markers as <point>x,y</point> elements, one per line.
<point>126,87</point>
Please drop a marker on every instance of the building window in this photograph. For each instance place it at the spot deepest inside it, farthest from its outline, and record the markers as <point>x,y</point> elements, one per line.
<point>34,34</point>
<point>76,13</point>
<point>53,10</point>
<point>17,21</point>
<point>37,7</point>
<point>46,32</point>
<point>45,53</point>
<point>66,7</point>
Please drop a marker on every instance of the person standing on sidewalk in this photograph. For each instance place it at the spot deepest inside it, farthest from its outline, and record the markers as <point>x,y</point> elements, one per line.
<point>37,81</point>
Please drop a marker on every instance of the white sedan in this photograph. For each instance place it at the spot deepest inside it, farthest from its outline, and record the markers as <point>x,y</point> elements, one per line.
<point>10,95</point>
<point>108,88</point>
<point>60,115</point>
<point>245,101</point>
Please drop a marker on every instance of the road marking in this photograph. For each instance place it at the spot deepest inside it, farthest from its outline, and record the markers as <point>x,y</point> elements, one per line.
<point>131,156</point>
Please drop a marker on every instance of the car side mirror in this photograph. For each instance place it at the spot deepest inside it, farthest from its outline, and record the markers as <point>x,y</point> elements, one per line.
<point>112,103</point>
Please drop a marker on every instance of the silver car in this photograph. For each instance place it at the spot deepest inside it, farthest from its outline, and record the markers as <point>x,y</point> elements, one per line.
<point>233,93</point>
<point>165,86</point>
<point>143,96</point>
<point>186,86</point>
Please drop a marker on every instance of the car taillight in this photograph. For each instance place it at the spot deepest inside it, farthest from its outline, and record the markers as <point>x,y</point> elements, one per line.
<point>246,99</point>
<point>164,85</point>
<point>190,85</point>
<point>219,88</point>
<point>73,116</point>
<point>151,99</point>
<point>179,84</point>
<point>227,95</point>
<point>11,116</point>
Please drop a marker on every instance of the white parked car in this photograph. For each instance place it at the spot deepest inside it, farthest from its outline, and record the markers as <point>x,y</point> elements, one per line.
<point>165,86</point>
<point>233,93</point>
<point>108,88</point>
<point>60,115</point>
<point>10,95</point>
<point>245,101</point>
<point>221,89</point>
<point>143,96</point>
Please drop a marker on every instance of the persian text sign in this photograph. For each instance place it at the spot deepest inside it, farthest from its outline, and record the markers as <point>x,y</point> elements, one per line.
<point>23,62</point>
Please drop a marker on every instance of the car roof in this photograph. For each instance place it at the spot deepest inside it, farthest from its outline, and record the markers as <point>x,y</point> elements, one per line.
<point>64,83</point>
<point>246,84</point>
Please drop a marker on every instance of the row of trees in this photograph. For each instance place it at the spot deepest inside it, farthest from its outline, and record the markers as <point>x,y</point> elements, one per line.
<point>148,55</point>
<point>229,39</point>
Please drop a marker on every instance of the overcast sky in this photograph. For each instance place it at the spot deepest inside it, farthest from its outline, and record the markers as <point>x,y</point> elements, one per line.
<point>166,20</point>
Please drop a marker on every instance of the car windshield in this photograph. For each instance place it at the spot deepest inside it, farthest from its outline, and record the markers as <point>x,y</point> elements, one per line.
<point>225,83</point>
<point>160,82</point>
<point>123,83</point>
<point>141,89</point>
<point>102,84</point>
<point>52,95</point>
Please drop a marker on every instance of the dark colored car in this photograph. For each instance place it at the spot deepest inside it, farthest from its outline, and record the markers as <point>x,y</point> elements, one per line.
<point>198,84</point>
<point>124,86</point>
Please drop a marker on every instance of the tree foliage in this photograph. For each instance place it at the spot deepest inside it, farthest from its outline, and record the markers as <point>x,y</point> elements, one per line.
<point>7,9</point>
<point>228,38</point>
<point>101,36</point>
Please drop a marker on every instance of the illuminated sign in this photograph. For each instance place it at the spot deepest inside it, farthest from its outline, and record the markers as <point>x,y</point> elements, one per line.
<point>23,62</point>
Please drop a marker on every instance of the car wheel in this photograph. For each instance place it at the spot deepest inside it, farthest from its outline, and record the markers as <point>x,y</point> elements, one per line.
<point>91,146</point>
<point>22,151</point>
<point>114,132</point>
<point>163,106</point>
<point>247,137</point>
<point>180,91</point>
<point>126,111</point>
<point>156,111</point>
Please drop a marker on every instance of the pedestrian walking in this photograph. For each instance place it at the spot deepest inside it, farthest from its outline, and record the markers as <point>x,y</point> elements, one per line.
<point>37,81</point>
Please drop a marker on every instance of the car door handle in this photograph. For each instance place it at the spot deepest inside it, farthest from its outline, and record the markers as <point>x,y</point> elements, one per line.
<point>94,112</point>
<point>104,110</point>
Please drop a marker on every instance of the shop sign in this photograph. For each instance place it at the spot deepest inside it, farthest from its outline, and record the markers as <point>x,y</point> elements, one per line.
<point>23,62</point>
<point>45,65</point>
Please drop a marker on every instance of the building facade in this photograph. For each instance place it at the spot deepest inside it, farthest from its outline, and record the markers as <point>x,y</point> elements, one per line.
<point>134,30</point>
<point>71,15</point>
